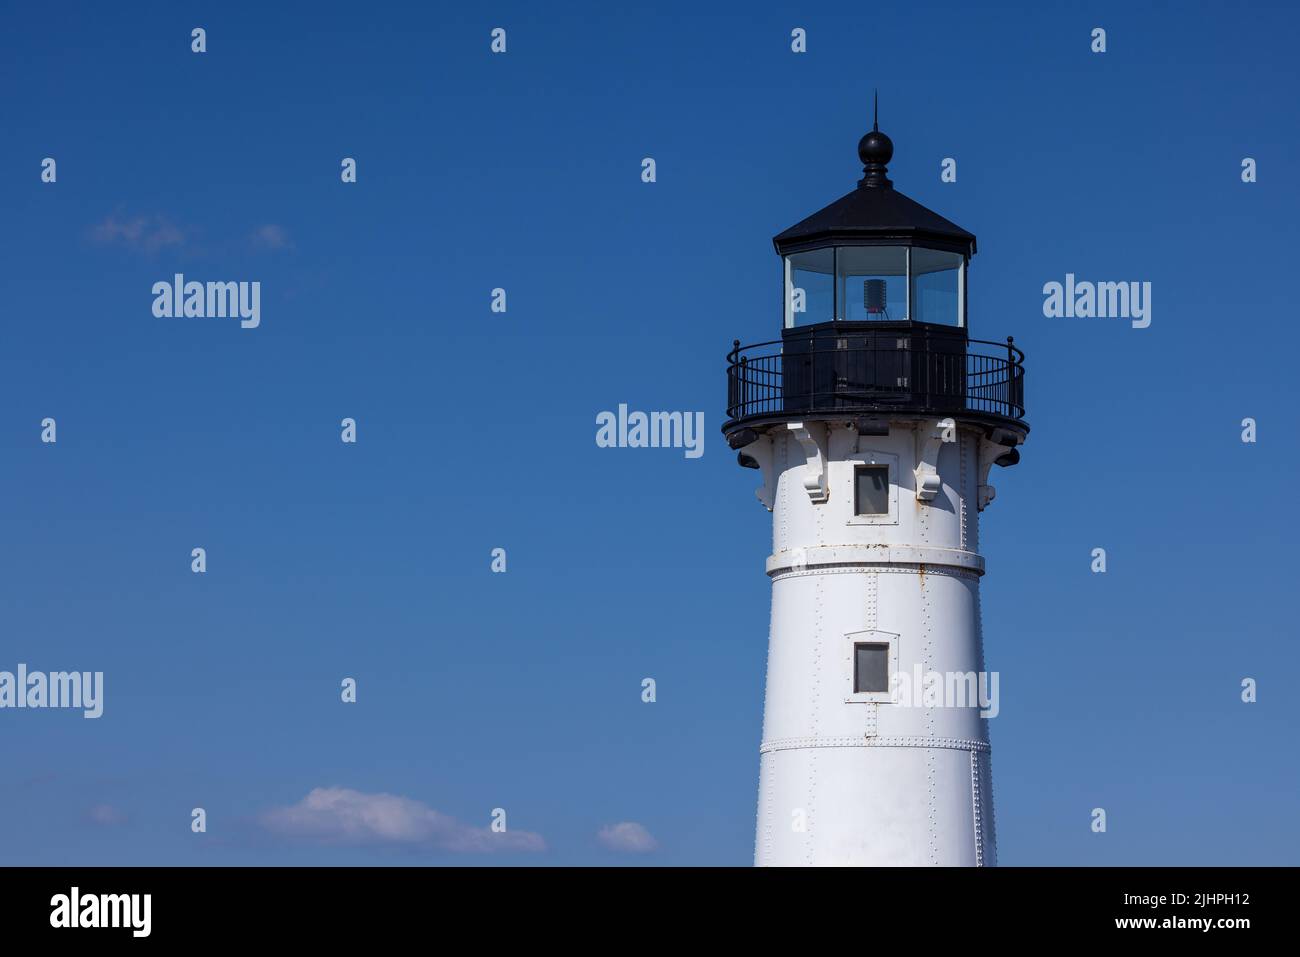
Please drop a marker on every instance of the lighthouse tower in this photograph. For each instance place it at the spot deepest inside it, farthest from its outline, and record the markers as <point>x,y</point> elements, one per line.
<point>875,421</point>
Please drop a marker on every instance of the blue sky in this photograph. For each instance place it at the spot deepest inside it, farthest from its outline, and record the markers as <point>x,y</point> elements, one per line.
<point>476,430</point>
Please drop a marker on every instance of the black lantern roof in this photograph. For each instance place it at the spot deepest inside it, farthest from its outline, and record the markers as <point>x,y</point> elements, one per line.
<point>875,213</point>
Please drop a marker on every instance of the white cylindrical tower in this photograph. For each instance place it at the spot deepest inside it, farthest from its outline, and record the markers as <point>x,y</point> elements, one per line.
<point>875,421</point>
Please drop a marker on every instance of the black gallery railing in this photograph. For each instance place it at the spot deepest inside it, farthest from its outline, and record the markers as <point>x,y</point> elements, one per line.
<point>875,372</point>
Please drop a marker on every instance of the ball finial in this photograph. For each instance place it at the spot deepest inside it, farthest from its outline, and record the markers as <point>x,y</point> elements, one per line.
<point>875,150</point>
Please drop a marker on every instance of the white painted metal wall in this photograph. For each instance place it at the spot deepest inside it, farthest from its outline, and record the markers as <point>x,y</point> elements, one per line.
<point>845,780</point>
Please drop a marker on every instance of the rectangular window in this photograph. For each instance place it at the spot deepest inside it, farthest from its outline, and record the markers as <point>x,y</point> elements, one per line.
<point>870,668</point>
<point>871,490</point>
<point>937,287</point>
<point>870,283</point>
<point>809,287</point>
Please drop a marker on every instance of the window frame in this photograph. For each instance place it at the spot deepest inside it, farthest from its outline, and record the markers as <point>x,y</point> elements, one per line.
<point>962,261</point>
<point>870,637</point>
<point>787,280</point>
<point>858,648</point>
<point>870,457</point>
<point>858,470</point>
<point>789,317</point>
<point>840,300</point>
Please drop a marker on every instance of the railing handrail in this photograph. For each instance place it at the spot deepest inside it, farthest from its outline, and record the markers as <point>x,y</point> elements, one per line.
<point>737,348</point>
<point>925,375</point>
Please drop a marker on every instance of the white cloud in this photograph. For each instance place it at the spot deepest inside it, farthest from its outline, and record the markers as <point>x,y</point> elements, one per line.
<point>628,837</point>
<point>106,815</point>
<point>271,236</point>
<point>345,816</point>
<point>148,233</point>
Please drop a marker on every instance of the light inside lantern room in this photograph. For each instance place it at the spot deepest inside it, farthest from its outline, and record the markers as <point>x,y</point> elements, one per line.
<point>871,283</point>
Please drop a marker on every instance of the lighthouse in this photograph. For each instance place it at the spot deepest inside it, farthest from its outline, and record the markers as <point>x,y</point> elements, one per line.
<point>874,423</point>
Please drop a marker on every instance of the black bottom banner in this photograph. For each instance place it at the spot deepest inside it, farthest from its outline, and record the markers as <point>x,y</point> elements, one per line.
<point>303,905</point>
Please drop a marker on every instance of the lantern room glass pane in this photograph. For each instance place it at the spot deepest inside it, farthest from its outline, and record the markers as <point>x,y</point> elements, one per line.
<point>937,286</point>
<point>809,287</point>
<point>871,283</point>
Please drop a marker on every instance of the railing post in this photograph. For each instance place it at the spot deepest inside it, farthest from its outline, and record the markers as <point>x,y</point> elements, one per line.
<point>812,370</point>
<point>1011,375</point>
<point>733,390</point>
<point>911,365</point>
<point>744,388</point>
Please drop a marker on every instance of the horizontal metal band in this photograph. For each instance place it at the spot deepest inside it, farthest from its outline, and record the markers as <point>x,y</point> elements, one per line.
<point>955,744</point>
<point>808,559</point>
<point>861,569</point>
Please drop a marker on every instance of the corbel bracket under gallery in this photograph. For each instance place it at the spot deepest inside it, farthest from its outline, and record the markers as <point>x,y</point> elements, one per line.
<point>811,437</point>
<point>999,449</point>
<point>759,453</point>
<point>930,437</point>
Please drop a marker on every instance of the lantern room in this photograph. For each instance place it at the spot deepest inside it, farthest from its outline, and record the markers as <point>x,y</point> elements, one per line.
<point>871,283</point>
<point>875,256</point>
<point>874,319</point>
